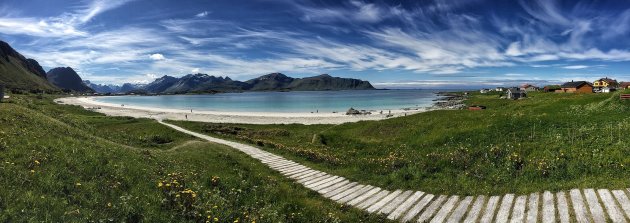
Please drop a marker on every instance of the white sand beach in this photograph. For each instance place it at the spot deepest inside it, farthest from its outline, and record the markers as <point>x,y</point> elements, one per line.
<point>227,117</point>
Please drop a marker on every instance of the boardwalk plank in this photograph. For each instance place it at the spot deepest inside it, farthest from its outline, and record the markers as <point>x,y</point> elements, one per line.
<point>347,192</point>
<point>504,208</point>
<point>372,199</point>
<point>363,196</point>
<point>321,181</point>
<point>460,210</point>
<point>331,183</point>
<point>402,208</point>
<point>396,202</point>
<point>325,190</point>
<point>623,200</point>
<point>340,190</point>
<point>518,212</point>
<point>431,209</point>
<point>336,179</point>
<point>563,207</point>
<point>491,206</point>
<point>579,210</point>
<point>418,207</point>
<point>378,205</point>
<point>445,209</point>
<point>548,211</point>
<point>532,208</point>
<point>476,209</point>
<point>597,212</point>
<point>611,207</point>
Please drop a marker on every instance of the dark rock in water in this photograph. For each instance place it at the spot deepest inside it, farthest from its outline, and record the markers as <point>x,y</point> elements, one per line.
<point>353,111</point>
<point>67,78</point>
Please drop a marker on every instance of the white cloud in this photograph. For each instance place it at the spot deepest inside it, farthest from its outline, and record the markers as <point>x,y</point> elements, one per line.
<point>202,14</point>
<point>157,56</point>
<point>575,67</point>
<point>195,70</point>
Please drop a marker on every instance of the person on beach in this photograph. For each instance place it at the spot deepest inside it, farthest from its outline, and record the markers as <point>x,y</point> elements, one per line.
<point>186,117</point>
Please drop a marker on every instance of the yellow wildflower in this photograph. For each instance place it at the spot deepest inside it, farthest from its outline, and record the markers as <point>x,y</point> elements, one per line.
<point>37,162</point>
<point>160,184</point>
<point>32,171</point>
<point>78,184</point>
<point>216,220</point>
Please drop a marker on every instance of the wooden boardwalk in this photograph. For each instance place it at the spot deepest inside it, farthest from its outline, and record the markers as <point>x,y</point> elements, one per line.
<point>576,205</point>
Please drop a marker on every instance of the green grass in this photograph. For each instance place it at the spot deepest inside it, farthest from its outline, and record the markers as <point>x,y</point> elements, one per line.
<point>64,164</point>
<point>545,142</point>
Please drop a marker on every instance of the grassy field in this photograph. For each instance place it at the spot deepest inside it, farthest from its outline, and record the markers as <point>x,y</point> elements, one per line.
<point>545,142</point>
<point>64,164</point>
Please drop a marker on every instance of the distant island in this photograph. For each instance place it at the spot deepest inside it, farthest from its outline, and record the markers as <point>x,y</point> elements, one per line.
<point>19,73</point>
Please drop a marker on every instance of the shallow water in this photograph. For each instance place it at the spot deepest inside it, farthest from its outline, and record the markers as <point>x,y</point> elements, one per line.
<point>297,101</point>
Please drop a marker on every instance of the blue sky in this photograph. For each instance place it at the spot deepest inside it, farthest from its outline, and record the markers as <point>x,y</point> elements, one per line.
<point>395,44</point>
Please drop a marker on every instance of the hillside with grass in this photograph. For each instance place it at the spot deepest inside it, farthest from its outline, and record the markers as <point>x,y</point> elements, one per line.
<point>550,141</point>
<point>65,164</point>
<point>18,72</point>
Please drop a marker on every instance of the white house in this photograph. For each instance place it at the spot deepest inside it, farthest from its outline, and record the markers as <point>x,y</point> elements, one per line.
<point>515,93</point>
<point>483,91</point>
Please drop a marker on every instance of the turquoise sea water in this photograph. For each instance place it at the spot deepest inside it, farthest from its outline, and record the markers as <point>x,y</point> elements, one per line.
<point>297,101</point>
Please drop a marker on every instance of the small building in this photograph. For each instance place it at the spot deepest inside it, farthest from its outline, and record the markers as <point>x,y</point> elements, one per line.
<point>605,82</point>
<point>577,87</point>
<point>483,91</point>
<point>529,88</point>
<point>515,93</point>
<point>624,85</point>
<point>552,88</point>
<point>500,89</point>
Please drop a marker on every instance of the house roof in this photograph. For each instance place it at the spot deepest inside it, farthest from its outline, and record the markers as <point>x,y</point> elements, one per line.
<point>607,80</point>
<point>575,84</point>
<point>552,87</point>
<point>515,90</point>
<point>625,84</point>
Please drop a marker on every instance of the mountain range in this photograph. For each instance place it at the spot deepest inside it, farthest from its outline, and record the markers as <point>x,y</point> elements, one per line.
<point>19,72</point>
<point>203,83</point>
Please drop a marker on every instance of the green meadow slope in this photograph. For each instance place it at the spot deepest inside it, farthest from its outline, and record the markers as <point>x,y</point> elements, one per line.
<point>65,164</point>
<point>545,142</point>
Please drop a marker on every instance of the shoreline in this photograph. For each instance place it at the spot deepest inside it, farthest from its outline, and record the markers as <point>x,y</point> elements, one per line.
<point>305,118</point>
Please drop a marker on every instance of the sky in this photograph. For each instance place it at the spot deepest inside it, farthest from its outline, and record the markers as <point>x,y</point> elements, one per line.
<point>392,44</point>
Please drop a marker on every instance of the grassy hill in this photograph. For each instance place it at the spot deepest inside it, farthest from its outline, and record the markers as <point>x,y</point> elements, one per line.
<point>65,164</point>
<point>17,72</point>
<point>545,142</point>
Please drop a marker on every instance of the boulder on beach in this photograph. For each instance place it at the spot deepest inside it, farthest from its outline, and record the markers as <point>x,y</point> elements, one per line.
<point>353,111</point>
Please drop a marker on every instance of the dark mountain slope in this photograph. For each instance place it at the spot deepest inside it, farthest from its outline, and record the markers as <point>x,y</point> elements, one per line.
<point>18,72</point>
<point>67,78</point>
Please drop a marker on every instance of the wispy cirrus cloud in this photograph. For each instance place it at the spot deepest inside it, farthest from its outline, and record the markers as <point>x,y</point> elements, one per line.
<point>435,38</point>
<point>64,25</point>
